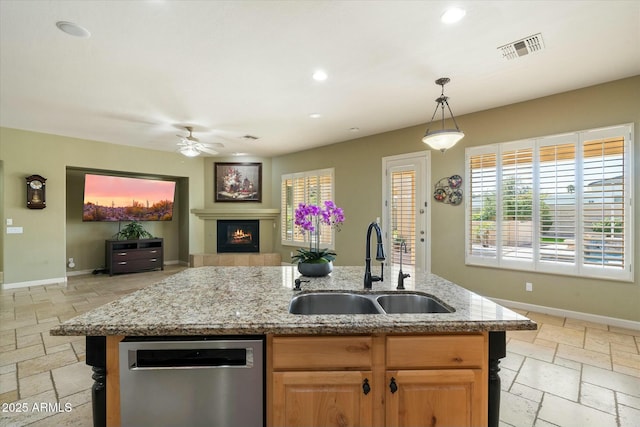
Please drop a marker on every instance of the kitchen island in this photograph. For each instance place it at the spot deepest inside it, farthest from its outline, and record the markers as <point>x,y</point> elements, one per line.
<point>232,301</point>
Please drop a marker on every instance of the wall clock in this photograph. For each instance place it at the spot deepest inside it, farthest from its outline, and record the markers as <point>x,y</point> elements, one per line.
<point>36,197</point>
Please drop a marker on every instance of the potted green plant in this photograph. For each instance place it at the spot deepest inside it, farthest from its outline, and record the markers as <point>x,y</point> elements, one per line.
<point>316,261</point>
<point>133,231</point>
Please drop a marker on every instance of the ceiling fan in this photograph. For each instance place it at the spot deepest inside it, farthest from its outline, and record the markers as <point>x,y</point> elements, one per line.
<point>191,146</point>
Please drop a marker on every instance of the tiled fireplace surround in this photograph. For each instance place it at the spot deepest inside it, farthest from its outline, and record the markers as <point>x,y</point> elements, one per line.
<point>266,256</point>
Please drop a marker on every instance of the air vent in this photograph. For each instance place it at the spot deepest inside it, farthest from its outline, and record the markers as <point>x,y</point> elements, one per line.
<point>522,47</point>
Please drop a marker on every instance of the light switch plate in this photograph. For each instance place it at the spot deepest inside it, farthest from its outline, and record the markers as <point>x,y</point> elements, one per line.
<point>9,221</point>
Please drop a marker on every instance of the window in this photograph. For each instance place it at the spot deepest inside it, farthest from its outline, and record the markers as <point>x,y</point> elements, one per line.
<point>312,187</point>
<point>559,204</point>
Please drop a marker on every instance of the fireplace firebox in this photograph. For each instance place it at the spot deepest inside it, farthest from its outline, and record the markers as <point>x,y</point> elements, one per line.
<point>238,236</point>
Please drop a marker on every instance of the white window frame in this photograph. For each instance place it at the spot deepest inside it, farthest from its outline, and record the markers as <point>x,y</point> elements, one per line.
<point>577,267</point>
<point>284,209</point>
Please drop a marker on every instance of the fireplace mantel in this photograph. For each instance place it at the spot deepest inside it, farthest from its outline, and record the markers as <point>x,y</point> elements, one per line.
<point>250,213</point>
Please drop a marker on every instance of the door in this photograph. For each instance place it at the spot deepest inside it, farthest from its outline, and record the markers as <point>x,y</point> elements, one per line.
<point>322,399</point>
<point>405,209</point>
<point>443,397</point>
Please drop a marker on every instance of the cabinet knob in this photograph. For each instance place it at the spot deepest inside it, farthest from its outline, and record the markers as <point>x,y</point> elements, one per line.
<point>393,386</point>
<point>366,388</point>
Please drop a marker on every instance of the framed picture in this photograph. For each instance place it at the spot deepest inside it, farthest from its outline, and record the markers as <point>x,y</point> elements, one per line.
<point>238,182</point>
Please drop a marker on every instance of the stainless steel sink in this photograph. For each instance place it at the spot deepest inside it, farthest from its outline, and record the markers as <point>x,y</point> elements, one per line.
<point>410,303</point>
<point>332,303</point>
<point>345,302</point>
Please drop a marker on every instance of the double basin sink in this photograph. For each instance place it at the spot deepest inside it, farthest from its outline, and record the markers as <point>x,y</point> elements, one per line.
<point>345,302</point>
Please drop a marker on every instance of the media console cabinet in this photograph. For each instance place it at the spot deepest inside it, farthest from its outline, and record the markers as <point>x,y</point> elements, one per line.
<point>131,256</point>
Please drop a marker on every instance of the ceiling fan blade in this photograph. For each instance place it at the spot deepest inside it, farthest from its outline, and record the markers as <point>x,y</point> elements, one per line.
<point>211,144</point>
<point>207,150</point>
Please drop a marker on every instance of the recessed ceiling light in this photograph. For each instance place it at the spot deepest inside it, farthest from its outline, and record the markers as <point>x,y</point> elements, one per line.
<point>315,115</point>
<point>453,15</point>
<point>240,154</point>
<point>73,29</point>
<point>320,76</point>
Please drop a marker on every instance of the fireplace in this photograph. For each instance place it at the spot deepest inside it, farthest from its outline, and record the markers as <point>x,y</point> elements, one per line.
<point>238,236</point>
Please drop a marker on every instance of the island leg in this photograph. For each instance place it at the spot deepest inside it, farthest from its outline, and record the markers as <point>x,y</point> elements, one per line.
<point>96,358</point>
<point>497,350</point>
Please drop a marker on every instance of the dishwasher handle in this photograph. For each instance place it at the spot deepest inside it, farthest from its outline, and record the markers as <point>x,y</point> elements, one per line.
<point>194,358</point>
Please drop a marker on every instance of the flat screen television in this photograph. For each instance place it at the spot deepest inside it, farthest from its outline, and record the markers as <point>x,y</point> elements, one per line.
<point>118,198</point>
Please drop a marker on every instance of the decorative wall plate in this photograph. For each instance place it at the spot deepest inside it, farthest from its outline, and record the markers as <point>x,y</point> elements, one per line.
<point>455,181</point>
<point>449,190</point>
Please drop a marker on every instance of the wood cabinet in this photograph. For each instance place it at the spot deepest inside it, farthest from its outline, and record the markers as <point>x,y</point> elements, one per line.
<point>437,380</point>
<point>380,380</point>
<point>130,256</point>
<point>322,399</point>
<point>322,381</point>
<point>438,397</point>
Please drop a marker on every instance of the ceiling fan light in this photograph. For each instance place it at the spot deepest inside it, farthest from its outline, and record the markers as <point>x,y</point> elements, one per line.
<point>189,151</point>
<point>442,139</point>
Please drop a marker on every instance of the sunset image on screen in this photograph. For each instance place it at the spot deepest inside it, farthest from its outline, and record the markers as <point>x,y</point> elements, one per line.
<point>113,198</point>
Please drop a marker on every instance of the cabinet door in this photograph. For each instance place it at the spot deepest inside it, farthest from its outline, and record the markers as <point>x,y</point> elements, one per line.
<point>435,398</point>
<point>322,399</point>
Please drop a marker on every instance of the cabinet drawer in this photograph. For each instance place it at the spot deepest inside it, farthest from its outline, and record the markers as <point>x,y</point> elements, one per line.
<point>322,352</point>
<point>137,254</point>
<point>126,266</point>
<point>437,351</point>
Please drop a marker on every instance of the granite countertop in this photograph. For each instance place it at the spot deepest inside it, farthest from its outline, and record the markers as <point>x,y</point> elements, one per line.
<point>255,300</point>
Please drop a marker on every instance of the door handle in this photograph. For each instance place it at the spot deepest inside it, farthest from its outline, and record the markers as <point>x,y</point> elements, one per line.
<point>366,388</point>
<point>393,386</point>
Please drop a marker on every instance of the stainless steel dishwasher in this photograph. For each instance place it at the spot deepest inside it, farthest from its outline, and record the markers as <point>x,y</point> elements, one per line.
<point>192,382</point>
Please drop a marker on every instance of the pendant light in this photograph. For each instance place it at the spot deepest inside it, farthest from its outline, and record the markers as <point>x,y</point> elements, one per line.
<point>445,138</point>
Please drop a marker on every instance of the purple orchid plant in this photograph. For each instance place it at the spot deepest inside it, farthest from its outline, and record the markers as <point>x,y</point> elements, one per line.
<point>309,218</point>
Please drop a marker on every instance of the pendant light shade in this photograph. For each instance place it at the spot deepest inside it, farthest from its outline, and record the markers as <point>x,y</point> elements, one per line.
<point>442,139</point>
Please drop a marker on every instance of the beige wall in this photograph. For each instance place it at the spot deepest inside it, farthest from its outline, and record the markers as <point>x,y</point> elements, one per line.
<point>41,252</point>
<point>358,174</point>
<point>267,232</point>
<point>53,234</point>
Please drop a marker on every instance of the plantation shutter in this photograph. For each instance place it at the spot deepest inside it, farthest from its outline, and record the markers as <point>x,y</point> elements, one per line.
<point>564,204</point>
<point>313,187</point>
<point>516,227</point>
<point>403,214</point>
<point>557,213</point>
<point>286,209</point>
<point>481,204</point>
<point>603,185</point>
<point>325,193</point>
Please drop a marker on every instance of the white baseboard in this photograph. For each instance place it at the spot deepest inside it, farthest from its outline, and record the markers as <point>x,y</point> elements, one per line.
<point>52,281</point>
<point>596,318</point>
<point>78,272</point>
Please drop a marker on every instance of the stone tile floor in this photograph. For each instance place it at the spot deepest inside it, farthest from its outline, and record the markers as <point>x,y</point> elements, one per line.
<point>567,373</point>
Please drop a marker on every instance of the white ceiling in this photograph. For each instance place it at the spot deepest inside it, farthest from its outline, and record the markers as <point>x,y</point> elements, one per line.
<point>235,68</point>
